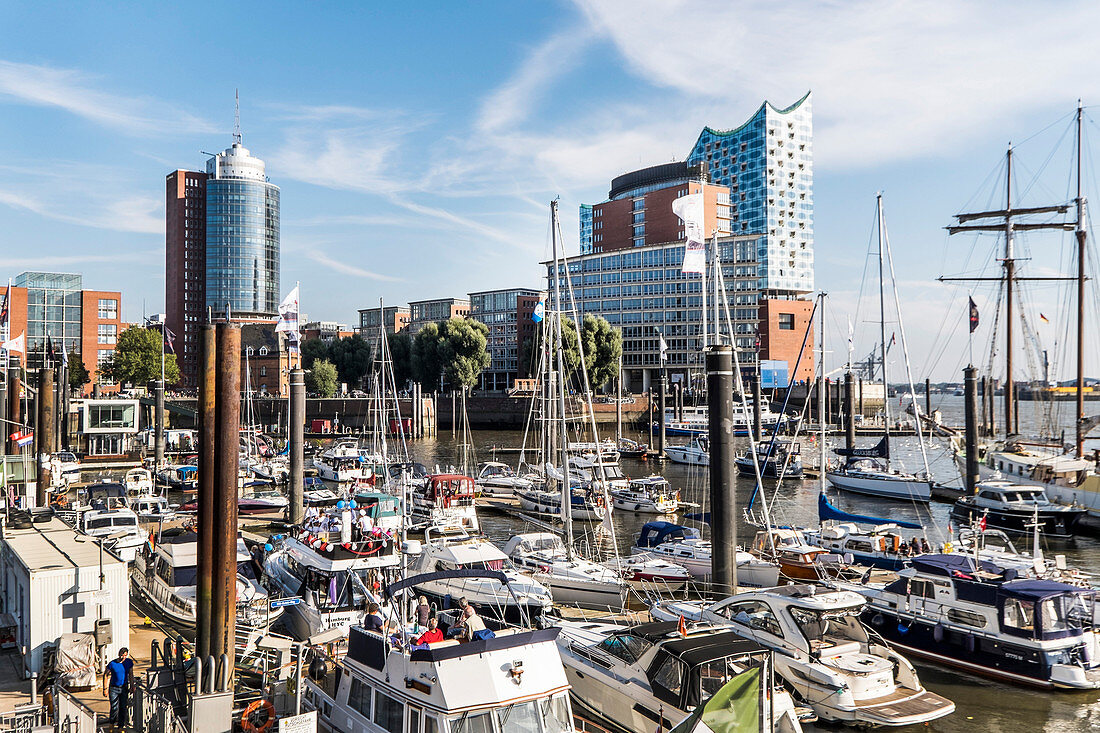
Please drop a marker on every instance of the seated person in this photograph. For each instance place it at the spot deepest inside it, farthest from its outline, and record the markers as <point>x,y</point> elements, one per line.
<point>432,635</point>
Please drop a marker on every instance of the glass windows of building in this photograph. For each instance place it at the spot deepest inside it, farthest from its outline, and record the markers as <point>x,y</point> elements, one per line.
<point>107,333</point>
<point>242,246</point>
<point>54,311</point>
<point>108,309</point>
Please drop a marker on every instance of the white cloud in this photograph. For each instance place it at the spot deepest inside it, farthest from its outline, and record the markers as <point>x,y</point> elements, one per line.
<point>891,80</point>
<point>76,92</point>
<point>345,267</point>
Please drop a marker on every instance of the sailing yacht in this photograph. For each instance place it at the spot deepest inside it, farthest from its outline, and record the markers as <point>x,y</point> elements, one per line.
<point>683,546</point>
<point>571,579</point>
<point>868,470</point>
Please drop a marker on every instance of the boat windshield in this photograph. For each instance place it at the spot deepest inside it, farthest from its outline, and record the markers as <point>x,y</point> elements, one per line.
<point>825,627</point>
<point>714,675</point>
<point>1070,613</point>
<point>342,589</point>
<point>626,647</point>
<point>245,568</point>
<point>547,715</point>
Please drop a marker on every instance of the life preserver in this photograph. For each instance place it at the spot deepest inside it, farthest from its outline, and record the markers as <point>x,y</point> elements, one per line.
<point>246,717</point>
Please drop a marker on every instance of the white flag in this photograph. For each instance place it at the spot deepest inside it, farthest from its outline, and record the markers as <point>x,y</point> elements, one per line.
<point>606,525</point>
<point>288,313</point>
<point>664,347</point>
<point>690,209</point>
<point>19,343</point>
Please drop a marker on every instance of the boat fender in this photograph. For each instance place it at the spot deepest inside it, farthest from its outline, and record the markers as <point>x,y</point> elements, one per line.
<point>970,643</point>
<point>937,633</point>
<point>878,620</point>
<point>903,629</point>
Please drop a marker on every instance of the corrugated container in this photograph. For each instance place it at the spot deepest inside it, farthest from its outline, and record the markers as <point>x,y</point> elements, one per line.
<point>50,582</point>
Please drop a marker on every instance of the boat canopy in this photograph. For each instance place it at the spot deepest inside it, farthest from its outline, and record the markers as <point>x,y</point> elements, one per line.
<point>396,587</point>
<point>1045,609</point>
<point>954,566</point>
<point>655,533</point>
<point>825,510</point>
<point>878,450</point>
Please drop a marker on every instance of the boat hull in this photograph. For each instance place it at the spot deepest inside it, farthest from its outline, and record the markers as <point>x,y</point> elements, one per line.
<point>887,488</point>
<point>1057,523</point>
<point>769,469</point>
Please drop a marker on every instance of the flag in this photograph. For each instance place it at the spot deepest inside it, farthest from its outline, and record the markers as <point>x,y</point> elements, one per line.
<point>851,335</point>
<point>288,313</point>
<point>64,358</point>
<point>974,316</point>
<point>19,343</point>
<point>22,439</point>
<point>169,337</point>
<point>4,307</point>
<point>690,209</point>
<point>663,347</point>
<point>682,627</point>
<point>51,355</point>
<point>982,523</point>
<point>540,309</point>
<point>1043,318</point>
<point>735,707</point>
<point>606,524</point>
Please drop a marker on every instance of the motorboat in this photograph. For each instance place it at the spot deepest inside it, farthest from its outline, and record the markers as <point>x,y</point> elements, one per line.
<point>1016,507</point>
<point>273,499</point>
<point>842,669</point>
<point>520,600</point>
<point>1065,478</point>
<point>341,463</point>
<point>995,546</point>
<point>695,453</point>
<point>165,576</point>
<point>446,500</point>
<point>682,545</point>
<point>511,682</point>
<point>600,472</point>
<point>881,546</point>
<point>499,479</point>
<point>649,495</point>
<point>776,459</point>
<point>183,478</point>
<point>984,619</point>
<point>651,676</point>
<point>152,508</point>
<point>797,558</point>
<point>694,421</point>
<point>605,451</point>
<point>334,568</point>
<point>647,572</point>
<point>66,465</point>
<point>119,528</point>
<point>571,580</point>
<point>138,481</point>
<point>586,504</point>
<point>632,449</point>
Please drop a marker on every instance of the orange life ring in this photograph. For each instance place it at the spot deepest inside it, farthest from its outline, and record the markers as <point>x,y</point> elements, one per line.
<point>246,717</point>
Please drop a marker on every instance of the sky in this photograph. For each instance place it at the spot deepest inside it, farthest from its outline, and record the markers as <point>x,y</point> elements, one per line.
<point>418,146</point>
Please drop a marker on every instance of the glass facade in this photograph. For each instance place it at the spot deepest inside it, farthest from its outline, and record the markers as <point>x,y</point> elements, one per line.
<point>54,309</point>
<point>242,247</point>
<point>586,228</point>
<point>499,311</point>
<point>768,165</point>
<point>643,292</point>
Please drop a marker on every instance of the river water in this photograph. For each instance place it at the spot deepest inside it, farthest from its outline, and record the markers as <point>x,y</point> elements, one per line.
<point>982,705</point>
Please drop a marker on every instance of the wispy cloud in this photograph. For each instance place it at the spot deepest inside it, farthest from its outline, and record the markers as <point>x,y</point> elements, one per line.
<point>79,93</point>
<point>54,261</point>
<point>346,267</point>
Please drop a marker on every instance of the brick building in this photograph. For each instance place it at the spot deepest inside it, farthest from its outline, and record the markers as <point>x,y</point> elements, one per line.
<point>423,312</point>
<point>185,266</point>
<point>782,327</point>
<point>507,314</point>
<point>265,360</point>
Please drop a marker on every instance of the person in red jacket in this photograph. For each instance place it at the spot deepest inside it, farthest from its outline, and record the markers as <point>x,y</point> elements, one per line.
<point>432,635</point>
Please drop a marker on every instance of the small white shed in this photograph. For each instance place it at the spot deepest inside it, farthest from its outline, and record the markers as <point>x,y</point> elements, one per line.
<point>50,581</point>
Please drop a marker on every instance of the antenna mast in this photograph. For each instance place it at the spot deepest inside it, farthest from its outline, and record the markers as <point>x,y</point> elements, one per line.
<point>237,137</point>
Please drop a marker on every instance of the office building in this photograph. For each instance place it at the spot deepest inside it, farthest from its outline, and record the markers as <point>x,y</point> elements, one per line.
<point>327,331</point>
<point>56,305</point>
<point>508,314</point>
<point>222,248</point>
<point>265,360</point>
<point>391,319</point>
<point>423,312</point>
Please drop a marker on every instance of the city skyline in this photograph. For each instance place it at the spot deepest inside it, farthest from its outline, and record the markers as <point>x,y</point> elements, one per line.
<point>450,140</point>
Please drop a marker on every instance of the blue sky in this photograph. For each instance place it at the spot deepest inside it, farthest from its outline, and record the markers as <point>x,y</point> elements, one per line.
<point>417,146</point>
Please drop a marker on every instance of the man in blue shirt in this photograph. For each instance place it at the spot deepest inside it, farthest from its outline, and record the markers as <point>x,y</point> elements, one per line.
<point>117,680</point>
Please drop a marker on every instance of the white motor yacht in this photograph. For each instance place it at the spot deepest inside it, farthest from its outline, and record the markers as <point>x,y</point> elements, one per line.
<point>499,479</point>
<point>445,500</point>
<point>683,546</point>
<point>842,669</point>
<point>651,676</point>
<point>571,580</point>
<point>118,523</point>
<point>644,571</point>
<point>649,495</point>
<point>153,508</point>
<point>695,453</point>
<point>341,463</point>
<point>138,482</point>
<point>521,600</point>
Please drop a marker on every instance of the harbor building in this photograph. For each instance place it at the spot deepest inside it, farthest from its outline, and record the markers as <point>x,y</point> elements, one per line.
<point>76,321</point>
<point>757,186</point>
<point>265,360</point>
<point>327,331</point>
<point>423,312</point>
<point>373,321</point>
<point>222,248</point>
<point>508,314</point>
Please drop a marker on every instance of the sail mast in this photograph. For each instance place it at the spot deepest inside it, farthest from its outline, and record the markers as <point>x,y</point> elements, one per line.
<point>1080,433</point>
<point>1010,277</point>
<point>566,491</point>
<point>882,334</point>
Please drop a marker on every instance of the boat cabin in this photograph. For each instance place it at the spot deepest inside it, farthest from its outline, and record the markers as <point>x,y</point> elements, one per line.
<point>450,489</point>
<point>657,533</point>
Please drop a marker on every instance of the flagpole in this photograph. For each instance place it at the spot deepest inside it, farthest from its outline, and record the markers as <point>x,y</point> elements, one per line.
<point>298,315</point>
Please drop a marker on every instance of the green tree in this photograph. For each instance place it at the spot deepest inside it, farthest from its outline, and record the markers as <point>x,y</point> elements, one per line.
<point>532,347</point>
<point>399,350</point>
<point>322,378</point>
<point>603,346</point>
<point>352,358</point>
<point>463,350</point>
<point>136,358</point>
<point>78,373</point>
<point>312,350</point>
<point>425,362</point>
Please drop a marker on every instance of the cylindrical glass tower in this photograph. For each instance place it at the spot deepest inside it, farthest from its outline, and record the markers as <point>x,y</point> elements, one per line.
<point>242,236</point>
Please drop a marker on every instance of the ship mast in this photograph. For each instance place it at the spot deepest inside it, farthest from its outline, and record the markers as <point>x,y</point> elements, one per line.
<point>1080,231</point>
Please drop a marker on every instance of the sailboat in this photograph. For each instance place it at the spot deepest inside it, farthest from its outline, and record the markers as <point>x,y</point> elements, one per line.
<point>868,470</point>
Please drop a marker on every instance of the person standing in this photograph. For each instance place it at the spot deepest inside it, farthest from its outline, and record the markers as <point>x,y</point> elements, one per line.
<point>117,681</point>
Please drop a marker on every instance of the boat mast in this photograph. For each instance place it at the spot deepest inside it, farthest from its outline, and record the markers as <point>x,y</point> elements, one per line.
<point>566,491</point>
<point>1010,277</point>
<point>882,334</point>
<point>1080,231</point>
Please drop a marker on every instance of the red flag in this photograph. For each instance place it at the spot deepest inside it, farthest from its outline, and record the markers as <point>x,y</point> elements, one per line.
<point>981,523</point>
<point>682,628</point>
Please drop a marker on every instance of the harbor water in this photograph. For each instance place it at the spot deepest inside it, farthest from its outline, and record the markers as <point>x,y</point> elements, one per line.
<point>982,705</point>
